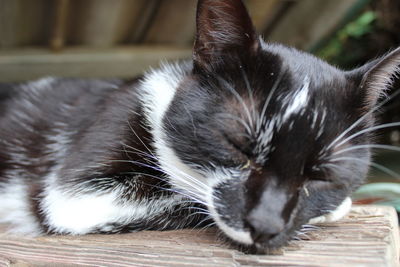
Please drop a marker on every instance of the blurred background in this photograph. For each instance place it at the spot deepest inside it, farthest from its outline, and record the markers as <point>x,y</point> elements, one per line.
<point>123,38</point>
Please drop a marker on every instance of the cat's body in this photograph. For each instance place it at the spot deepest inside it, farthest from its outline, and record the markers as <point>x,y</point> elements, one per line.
<point>250,135</point>
<point>72,164</point>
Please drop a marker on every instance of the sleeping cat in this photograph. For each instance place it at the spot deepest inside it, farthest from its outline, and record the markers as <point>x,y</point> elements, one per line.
<point>255,137</point>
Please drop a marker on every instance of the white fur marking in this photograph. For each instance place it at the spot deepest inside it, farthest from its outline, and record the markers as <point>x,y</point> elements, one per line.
<point>335,215</point>
<point>84,213</point>
<point>299,100</point>
<point>15,209</point>
<point>243,237</point>
<point>156,94</point>
<point>219,177</point>
<point>42,83</point>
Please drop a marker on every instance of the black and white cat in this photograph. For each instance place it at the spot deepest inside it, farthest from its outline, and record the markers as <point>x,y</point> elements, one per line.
<point>255,137</point>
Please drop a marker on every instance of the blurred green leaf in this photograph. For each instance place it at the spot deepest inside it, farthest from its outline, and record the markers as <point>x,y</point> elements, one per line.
<point>360,26</point>
<point>336,47</point>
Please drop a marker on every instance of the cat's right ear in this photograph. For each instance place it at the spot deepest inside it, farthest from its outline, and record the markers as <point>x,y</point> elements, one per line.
<point>375,78</point>
<point>224,27</point>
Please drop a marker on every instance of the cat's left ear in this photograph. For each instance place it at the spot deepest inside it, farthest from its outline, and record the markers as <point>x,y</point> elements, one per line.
<point>224,27</point>
<point>376,77</point>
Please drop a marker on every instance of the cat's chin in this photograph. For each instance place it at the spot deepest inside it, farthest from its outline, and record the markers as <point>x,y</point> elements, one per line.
<point>269,248</point>
<point>276,245</point>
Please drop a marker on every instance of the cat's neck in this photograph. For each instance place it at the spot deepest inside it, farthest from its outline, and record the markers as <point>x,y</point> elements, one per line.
<point>157,92</point>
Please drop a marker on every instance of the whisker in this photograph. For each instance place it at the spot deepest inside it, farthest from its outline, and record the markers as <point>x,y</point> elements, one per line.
<point>240,99</point>
<point>373,164</point>
<point>268,100</point>
<point>140,139</point>
<point>199,186</point>
<point>199,213</point>
<point>370,129</point>
<point>175,170</point>
<point>240,120</point>
<point>356,123</point>
<point>195,193</point>
<point>204,220</point>
<point>192,122</point>
<point>138,151</point>
<point>138,163</point>
<point>387,147</point>
<point>250,93</point>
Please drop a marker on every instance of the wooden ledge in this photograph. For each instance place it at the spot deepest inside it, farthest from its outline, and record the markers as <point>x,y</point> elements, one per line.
<point>116,62</point>
<point>368,236</point>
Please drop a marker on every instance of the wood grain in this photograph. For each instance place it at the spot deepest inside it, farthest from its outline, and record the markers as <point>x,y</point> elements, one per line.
<point>309,21</point>
<point>368,236</point>
<point>59,25</point>
<point>103,23</point>
<point>118,62</point>
<point>261,12</point>
<point>174,23</point>
<point>23,22</point>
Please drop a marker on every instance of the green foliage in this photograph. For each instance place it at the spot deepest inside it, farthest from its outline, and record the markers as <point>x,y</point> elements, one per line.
<point>359,27</point>
<point>336,51</point>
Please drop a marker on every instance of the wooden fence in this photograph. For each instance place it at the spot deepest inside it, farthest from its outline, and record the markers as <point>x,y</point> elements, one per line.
<point>103,38</point>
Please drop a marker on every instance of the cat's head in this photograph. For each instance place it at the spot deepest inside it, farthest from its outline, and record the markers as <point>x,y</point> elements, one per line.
<point>267,137</point>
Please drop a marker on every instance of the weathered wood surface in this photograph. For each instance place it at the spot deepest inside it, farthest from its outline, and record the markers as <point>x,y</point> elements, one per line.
<point>121,62</point>
<point>23,22</point>
<point>104,23</point>
<point>309,21</point>
<point>173,23</point>
<point>262,12</point>
<point>368,236</point>
<point>59,25</point>
<point>103,26</point>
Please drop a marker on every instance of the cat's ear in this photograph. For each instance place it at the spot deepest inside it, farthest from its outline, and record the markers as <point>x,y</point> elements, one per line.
<point>223,27</point>
<point>375,78</point>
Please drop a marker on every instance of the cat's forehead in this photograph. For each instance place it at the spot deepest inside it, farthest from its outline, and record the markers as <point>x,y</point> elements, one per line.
<point>300,65</point>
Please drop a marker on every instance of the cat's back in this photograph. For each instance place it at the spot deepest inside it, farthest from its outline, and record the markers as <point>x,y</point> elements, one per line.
<point>53,114</point>
<point>38,104</point>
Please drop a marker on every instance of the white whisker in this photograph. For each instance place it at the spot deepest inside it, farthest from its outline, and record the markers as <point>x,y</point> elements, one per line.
<point>241,101</point>
<point>370,129</point>
<point>356,123</point>
<point>240,120</point>
<point>387,147</point>
<point>267,101</point>
<point>250,93</point>
<point>373,164</point>
<point>140,139</point>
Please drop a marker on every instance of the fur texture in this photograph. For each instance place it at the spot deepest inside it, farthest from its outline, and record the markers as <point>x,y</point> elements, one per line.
<point>257,138</point>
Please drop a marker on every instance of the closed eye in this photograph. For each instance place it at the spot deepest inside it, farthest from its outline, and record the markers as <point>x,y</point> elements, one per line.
<point>238,147</point>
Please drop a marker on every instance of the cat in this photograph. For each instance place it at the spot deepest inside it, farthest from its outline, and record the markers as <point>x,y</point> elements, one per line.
<point>256,138</point>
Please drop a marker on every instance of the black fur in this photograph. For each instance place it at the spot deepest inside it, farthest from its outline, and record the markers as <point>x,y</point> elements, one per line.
<point>217,120</point>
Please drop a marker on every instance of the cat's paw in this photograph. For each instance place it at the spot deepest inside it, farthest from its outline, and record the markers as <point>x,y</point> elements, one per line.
<point>335,215</point>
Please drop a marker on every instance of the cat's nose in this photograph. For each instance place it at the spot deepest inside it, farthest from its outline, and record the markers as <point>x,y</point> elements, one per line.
<point>263,227</point>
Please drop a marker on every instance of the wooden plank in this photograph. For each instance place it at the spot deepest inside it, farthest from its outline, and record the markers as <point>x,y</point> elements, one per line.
<point>308,21</point>
<point>174,23</point>
<point>58,31</point>
<point>144,21</point>
<point>23,22</point>
<point>262,11</point>
<point>103,23</point>
<point>368,236</point>
<point>124,62</point>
